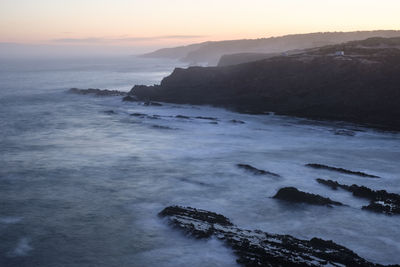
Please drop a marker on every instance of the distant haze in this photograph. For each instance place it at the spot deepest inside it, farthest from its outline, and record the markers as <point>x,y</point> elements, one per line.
<point>136,26</point>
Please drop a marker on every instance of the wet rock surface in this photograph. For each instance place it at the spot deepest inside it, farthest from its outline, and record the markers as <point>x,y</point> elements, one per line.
<point>380,200</point>
<point>292,194</point>
<point>258,248</point>
<point>97,92</point>
<point>341,170</point>
<point>256,171</point>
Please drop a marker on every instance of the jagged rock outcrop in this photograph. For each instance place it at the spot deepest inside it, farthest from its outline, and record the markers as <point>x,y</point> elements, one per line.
<point>380,200</point>
<point>341,170</point>
<point>292,194</point>
<point>258,248</point>
<point>256,171</point>
<point>360,86</point>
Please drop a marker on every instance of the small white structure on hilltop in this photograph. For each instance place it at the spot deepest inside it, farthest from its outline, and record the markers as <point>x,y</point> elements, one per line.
<point>339,53</point>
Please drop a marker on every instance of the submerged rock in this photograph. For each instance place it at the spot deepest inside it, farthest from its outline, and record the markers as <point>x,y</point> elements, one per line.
<point>292,194</point>
<point>97,92</point>
<point>256,171</point>
<point>206,118</point>
<point>237,121</point>
<point>182,117</point>
<point>329,168</point>
<point>162,127</point>
<point>110,112</point>
<point>138,114</point>
<point>344,132</point>
<point>257,248</point>
<point>380,201</point>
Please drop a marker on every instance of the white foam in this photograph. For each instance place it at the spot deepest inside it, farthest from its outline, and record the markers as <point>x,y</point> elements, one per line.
<point>22,248</point>
<point>10,220</point>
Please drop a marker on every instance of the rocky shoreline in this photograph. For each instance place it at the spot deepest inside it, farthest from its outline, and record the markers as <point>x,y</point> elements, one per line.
<point>258,248</point>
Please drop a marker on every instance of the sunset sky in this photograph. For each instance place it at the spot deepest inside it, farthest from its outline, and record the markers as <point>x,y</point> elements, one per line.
<point>176,22</point>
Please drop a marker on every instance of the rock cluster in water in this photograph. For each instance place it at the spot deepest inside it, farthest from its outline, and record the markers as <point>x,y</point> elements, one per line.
<point>380,200</point>
<point>258,248</point>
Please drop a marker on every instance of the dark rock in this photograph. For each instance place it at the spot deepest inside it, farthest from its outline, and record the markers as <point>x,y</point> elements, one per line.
<point>213,122</point>
<point>206,118</point>
<point>138,114</point>
<point>292,194</point>
<point>344,132</point>
<point>182,117</point>
<point>162,127</point>
<point>257,248</point>
<point>110,112</point>
<point>380,201</point>
<point>97,92</point>
<point>130,98</point>
<point>341,170</point>
<point>256,171</point>
<point>237,121</point>
<point>332,184</point>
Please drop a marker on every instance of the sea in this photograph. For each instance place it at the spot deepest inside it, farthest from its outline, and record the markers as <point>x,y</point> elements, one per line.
<point>82,180</point>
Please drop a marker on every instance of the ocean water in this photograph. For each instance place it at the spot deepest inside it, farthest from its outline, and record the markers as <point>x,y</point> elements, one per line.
<point>82,186</point>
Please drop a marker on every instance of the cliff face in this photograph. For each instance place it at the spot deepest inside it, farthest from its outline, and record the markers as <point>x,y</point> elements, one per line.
<point>211,52</point>
<point>362,86</point>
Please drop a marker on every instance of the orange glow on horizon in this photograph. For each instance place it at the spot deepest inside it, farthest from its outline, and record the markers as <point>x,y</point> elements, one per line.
<point>180,22</point>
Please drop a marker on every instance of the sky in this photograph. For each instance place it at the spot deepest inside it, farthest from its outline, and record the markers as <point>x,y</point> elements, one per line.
<point>163,23</point>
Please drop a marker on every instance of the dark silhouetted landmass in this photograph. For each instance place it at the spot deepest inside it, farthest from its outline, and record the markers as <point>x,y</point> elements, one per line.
<point>211,52</point>
<point>361,86</point>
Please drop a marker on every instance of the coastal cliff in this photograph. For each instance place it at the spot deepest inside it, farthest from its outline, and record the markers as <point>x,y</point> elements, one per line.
<point>359,84</point>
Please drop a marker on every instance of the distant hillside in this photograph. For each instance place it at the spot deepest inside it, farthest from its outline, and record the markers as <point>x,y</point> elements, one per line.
<point>211,52</point>
<point>234,59</point>
<point>356,81</point>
